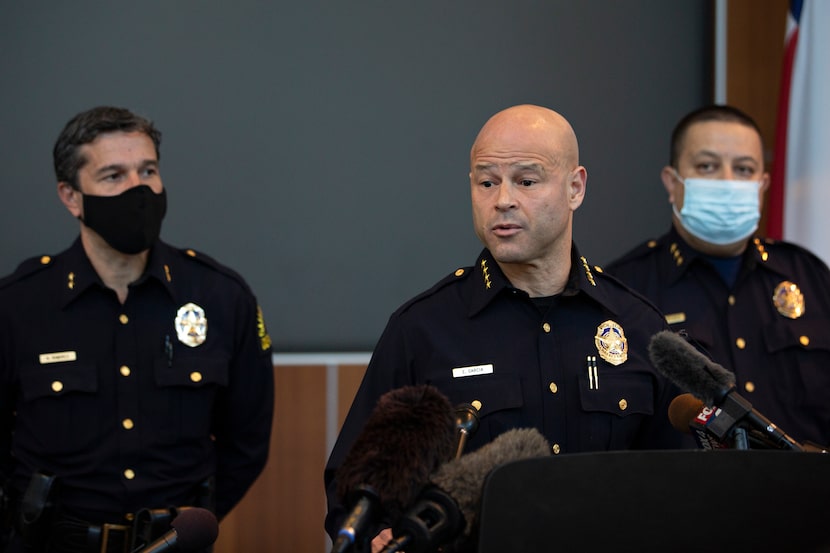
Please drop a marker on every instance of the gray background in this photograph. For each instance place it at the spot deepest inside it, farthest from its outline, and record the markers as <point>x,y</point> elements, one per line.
<point>320,148</point>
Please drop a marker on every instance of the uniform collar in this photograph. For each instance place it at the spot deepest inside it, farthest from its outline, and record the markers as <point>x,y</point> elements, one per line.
<point>80,274</point>
<point>488,281</point>
<point>680,256</point>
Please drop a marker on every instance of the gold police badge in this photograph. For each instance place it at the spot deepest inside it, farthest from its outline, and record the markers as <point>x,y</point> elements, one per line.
<point>611,343</point>
<point>191,325</point>
<point>788,300</point>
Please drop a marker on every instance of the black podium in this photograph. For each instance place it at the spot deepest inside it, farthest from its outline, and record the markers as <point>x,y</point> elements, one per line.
<point>666,501</point>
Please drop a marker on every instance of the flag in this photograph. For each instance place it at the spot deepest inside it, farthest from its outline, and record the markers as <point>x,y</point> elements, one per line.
<point>799,197</point>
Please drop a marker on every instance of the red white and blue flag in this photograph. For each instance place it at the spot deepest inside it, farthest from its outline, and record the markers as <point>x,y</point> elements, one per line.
<point>799,197</point>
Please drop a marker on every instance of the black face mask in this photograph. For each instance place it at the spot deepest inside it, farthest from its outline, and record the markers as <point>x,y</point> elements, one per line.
<point>129,222</point>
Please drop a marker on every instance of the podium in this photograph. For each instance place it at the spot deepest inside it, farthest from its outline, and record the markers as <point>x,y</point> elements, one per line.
<point>666,501</point>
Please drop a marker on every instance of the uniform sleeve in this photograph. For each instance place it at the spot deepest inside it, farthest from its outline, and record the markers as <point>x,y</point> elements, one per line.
<point>6,402</point>
<point>388,369</point>
<point>243,418</point>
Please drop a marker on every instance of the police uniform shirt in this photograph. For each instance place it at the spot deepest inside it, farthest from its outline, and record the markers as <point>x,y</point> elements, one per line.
<point>132,406</point>
<point>772,328</point>
<point>479,340</point>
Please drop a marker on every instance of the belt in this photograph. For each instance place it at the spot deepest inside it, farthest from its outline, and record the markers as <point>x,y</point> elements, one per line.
<point>73,535</point>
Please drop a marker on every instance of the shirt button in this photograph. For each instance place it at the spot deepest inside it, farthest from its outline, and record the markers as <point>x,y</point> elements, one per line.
<point>553,387</point>
<point>123,318</point>
<point>731,299</point>
<point>127,424</point>
<point>476,404</point>
<point>749,387</point>
<point>805,340</point>
<point>556,449</point>
<point>57,386</point>
<point>196,376</point>
<point>546,327</point>
<point>124,370</point>
<point>45,260</point>
<point>623,405</point>
<point>741,343</point>
<point>129,474</point>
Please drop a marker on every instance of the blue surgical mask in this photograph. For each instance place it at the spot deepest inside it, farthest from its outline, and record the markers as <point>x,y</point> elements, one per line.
<point>720,211</point>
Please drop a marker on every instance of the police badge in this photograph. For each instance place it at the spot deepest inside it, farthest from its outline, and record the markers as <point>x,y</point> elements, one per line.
<point>191,325</point>
<point>788,300</point>
<point>611,343</point>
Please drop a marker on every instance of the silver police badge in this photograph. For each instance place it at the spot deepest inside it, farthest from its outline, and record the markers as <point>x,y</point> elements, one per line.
<point>191,325</point>
<point>611,343</point>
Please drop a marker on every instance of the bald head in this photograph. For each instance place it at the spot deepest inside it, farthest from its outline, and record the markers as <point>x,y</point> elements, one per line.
<point>529,128</point>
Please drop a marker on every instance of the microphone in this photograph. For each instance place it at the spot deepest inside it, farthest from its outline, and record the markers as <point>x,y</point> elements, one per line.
<point>689,415</point>
<point>445,513</point>
<point>407,436</point>
<point>692,371</point>
<point>466,425</point>
<point>193,529</point>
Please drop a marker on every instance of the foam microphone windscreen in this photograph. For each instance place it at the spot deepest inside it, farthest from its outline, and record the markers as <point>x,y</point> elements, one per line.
<point>408,435</point>
<point>196,529</point>
<point>682,410</point>
<point>689,369</point>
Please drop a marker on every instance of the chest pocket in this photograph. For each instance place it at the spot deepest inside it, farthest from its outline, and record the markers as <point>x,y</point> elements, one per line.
<point>616,410</point>
<point>187,393</point>
<point>802,333</point>
<point>56,409</point>
<point>498,399</point>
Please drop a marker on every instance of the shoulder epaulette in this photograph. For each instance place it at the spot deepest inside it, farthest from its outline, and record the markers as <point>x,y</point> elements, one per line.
<point>27,268</point>
<point>458,275</point>
<point>210,262</point>
<point>642,250</point>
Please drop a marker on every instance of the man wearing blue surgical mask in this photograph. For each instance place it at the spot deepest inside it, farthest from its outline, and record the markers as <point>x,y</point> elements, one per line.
<point>760,308</point>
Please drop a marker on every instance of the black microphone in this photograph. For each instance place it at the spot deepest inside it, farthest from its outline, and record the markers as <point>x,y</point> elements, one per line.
<point>466,425</point>
<point>193,529</point>
<point>408,435</point>
<point>692,371</point>
<point>445,512</point>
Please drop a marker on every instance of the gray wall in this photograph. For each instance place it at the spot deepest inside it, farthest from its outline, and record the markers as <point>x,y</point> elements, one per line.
<point>321,147</point>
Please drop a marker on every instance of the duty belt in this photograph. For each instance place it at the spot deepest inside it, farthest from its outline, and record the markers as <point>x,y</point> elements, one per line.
<point>74,535</point>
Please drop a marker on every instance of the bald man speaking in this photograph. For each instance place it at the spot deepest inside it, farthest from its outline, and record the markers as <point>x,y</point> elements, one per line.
<point>531,334</point>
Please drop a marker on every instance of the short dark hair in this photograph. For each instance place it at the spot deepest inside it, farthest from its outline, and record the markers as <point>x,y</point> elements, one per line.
<point>714,112</point>
<point>85,128</point>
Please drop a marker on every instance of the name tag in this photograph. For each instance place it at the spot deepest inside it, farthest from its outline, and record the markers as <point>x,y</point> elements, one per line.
<point>675,318</point>
<point>57,357</point>
<point>475,370</point>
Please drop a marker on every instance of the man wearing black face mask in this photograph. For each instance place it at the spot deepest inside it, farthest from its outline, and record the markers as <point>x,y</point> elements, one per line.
<point>759,307</point>
<point>135,378</point>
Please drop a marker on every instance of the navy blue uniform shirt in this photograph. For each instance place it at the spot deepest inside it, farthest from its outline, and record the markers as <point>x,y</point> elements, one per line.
<point>771,327</point>
<point>113,400</point>
<point>479,340</point>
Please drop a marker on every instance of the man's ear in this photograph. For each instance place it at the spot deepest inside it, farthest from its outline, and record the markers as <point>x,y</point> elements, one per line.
<point>671,182</point>
<point>71,198</point>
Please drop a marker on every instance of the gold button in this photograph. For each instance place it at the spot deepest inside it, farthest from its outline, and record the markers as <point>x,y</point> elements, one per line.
<point>124,370</point>
<point>191,253</point>
<point>749,387</point>
<point>623,405</point>
<point>129,517</point>
<point>129,474</point>
<point>553,387</point>
<point>653,243</point>
<point>477,404</point>
<point>731,299</point>
<point>546,327</point>
<point>805,341</point>
<point>556,449</point>
<point>459,272</point>
<point>123,318</point>
<point>45,260</point>
<point>741,343</point>
<point>196,376</point>
<point>127,424</point>
<point>57,386</point>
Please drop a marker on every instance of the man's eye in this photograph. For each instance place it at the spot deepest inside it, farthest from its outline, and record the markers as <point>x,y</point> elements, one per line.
<point>745,171</point>
<point>150,172</point>
<point>705,167</point>
<point>486,183</point>
<point>526,182</point>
